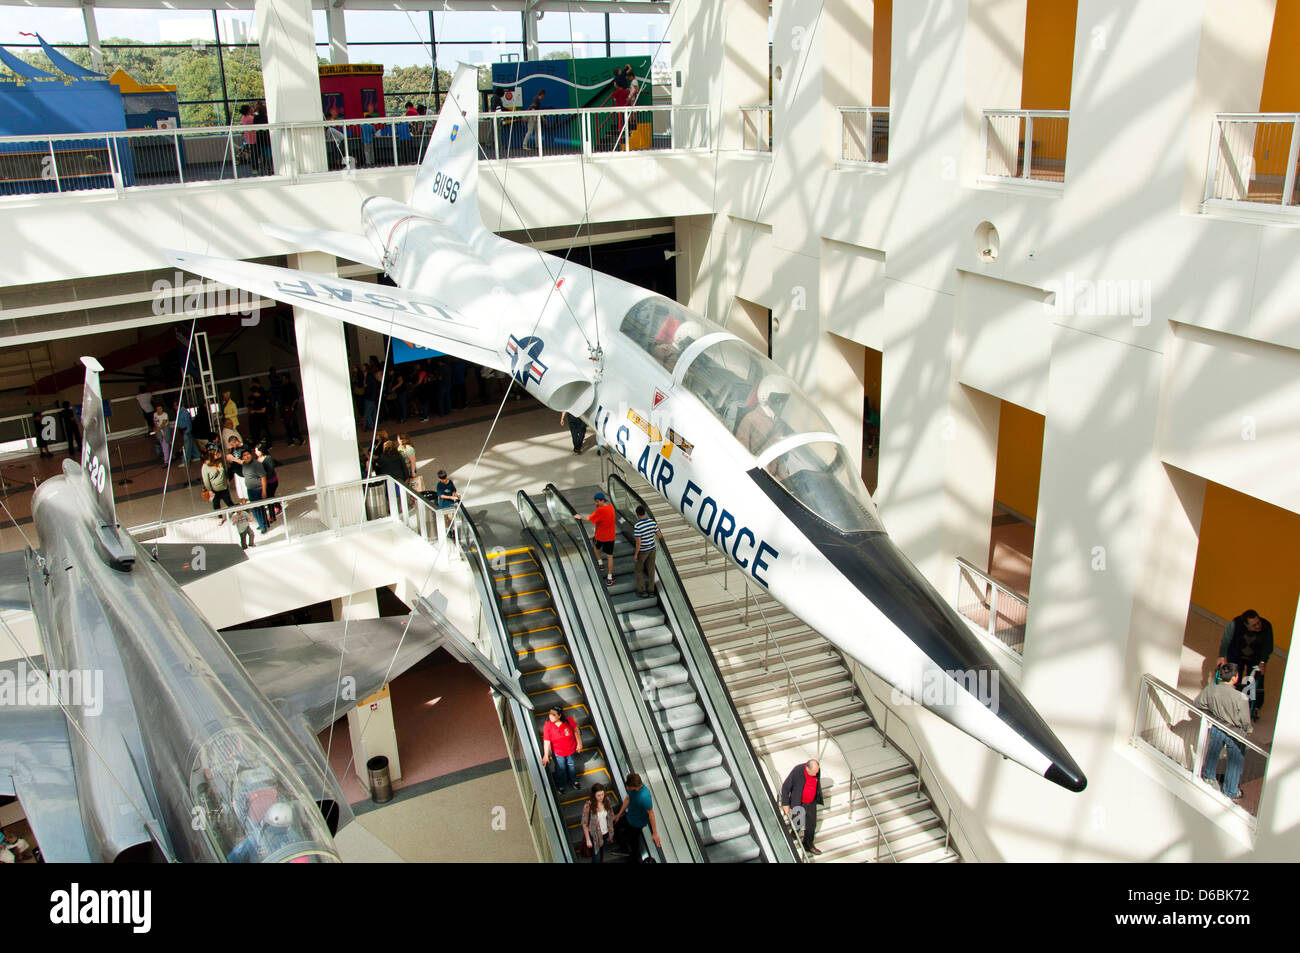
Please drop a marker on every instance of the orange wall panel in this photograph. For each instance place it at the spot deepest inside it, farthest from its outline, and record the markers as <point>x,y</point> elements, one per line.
<point>1020,459</point>
<point>881,34</point>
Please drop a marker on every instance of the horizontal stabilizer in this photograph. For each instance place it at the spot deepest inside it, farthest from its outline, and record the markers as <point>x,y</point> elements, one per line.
<point>406,315</point>
<point>340,244</point>
<point>297,666</point>
<point>14,593</point>
<point>188,562</point>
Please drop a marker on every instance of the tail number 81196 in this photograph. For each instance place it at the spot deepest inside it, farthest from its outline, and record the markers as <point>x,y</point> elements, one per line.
<point>445,186</point>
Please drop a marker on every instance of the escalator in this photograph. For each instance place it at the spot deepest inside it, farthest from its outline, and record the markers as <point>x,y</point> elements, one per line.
<point>676,681</point>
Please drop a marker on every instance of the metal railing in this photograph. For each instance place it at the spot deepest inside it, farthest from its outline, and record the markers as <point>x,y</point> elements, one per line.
<point>997,611</point>
<point>755,128</point>
<point>919,761</point>
<point>1025,144</point>
<point>1253,158</point>
<point>545,823</point>
<point>824,734</point>
<point>1171,729</point>
<point>123,160</point>
<point>864,135</point>
<point>327,509</point>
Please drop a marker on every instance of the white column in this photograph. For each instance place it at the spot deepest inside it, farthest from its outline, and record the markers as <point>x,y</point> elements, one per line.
<point>370,721</point>
<point>287,42</point>
<point>92,38</point>
<point>338,31</point>
<point>994,50</point>
<point>326,386</point>
<point>530,32</point>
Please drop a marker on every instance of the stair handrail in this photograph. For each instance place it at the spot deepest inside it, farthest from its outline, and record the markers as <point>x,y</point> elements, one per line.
<point>924,761</point>
<point>791,682</point>
<point>472,547</point>
<point>611,619</point>
<point>617,485</point>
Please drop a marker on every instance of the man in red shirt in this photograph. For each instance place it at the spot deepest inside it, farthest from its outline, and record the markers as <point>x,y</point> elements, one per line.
<point>604,519</point>
<point>560,739</point>
<point>800,795</point>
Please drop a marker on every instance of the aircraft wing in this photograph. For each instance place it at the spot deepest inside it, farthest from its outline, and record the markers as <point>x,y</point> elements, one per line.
<point>299,667</point>
<point>36,765</point>
<point>340,244</point>
<point>406,315</point>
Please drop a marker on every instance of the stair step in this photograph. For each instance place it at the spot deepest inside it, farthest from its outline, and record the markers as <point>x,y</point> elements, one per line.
<point>651,658</point>
<point>672,696</point>
<point>706,782</point>
<point>649,638</point>
<point>693,736</point>
<point>713,805</point>
<point>657,679</point>
<point>641,619</point>
<point>703,758</point>
<point>724,827</point>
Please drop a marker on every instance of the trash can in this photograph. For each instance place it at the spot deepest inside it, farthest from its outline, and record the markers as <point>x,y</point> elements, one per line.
<point>376,501</point>
<point>381,786</point>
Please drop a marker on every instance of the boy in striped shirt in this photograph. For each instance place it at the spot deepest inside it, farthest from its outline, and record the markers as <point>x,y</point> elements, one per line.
<point>646,531</point>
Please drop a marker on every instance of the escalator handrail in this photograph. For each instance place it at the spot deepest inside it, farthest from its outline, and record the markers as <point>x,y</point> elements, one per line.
<point>593,688</point>
<point>555,829</point>
<point>580,543</point>
<point>616,484</point>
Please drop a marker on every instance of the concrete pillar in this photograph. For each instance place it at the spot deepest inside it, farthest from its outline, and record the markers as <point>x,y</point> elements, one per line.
<point>370,721</point>
<point>737,77</point>
<point>92,38</point>
<point>995,59</point>
<point>1235,35</point>
<point>326,386</point>
<point>338,32</point>
<point>287,42</point>
<point>531,51</point>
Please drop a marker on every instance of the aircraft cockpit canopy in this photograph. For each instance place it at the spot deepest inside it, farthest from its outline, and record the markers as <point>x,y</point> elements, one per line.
<point>664,329</point>
<point>251,805</point>
<point>762,407</point>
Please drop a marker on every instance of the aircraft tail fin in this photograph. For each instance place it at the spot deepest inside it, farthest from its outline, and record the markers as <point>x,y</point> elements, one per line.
<point>94,444</point>
<point>446,188</point>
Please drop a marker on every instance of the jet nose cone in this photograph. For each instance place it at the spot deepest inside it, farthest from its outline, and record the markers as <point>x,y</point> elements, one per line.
<point>882,573</point>
<point>1067,776</point>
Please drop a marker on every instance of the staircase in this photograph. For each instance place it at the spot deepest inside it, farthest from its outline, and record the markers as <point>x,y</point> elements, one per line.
<point>797,700</point>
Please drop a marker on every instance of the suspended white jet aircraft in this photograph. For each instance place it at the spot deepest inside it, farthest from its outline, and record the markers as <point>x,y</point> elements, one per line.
<point>721,432</point>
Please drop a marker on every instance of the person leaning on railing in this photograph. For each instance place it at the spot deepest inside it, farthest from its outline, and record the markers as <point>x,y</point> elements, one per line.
<point>1225,703</point>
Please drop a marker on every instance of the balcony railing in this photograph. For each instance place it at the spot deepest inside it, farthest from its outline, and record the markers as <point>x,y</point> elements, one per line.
<point>755,128</point>
<point>993,608</point>
<point>864,135</point>
<point>1253,160</point>
<point>1170,728</point>
<point>121,161</point>
<point>1026,145</point>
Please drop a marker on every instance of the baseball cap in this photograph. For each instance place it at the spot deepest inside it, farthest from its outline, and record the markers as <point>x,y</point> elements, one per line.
<point>600,496</point>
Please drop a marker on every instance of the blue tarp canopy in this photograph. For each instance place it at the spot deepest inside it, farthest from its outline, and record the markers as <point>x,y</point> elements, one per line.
<point>22,68</point>
<point>65,64</point>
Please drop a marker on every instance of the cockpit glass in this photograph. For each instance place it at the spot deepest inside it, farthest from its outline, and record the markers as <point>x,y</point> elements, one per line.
<point>251,806</point>
<point>820,475</point>
<point>664,329</point>
<point>752,397</point>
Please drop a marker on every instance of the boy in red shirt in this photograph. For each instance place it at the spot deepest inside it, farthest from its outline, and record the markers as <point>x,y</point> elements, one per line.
<point>603,517</point>
<point>560,738</point>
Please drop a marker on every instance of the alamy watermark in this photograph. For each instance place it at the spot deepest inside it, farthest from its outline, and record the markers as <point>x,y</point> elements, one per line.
<point>943,689</point>
<point>1104,297</point>
<point>179,297</point>
<point>32,688</point>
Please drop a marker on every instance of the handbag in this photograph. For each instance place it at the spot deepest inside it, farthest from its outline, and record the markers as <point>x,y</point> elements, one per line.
<point>416,483</point>
<point>580,849</point>
<point>207,494</point>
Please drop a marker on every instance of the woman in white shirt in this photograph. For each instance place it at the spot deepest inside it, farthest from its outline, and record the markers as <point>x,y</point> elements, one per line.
<point>598,820</point>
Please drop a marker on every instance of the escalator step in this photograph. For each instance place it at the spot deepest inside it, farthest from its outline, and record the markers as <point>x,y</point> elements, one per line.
<point>529,621</point>
<point>554,677</point>
<point>672,696</point>
<point>547,638</point>
<point>705,782</point>
<point>631,601</point>
<point>540,658</point>
<point>738,850</point>
<point>641,619</point>
<point>563,697</point>
<point>649,638</point>
<point>675,719</point>
<point>696,759</point>
<point>713,805</point>
<point>724,827</point>
<point>663,676</point>
<point>512,603</point>
<point>652,658</point>
<point>687,738</point>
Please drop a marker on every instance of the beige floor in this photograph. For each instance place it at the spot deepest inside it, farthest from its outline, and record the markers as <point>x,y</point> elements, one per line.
<point>478,821</point>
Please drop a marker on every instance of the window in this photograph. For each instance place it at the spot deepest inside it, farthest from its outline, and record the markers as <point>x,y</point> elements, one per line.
<point>821,477</point>
<point>664,329</point>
